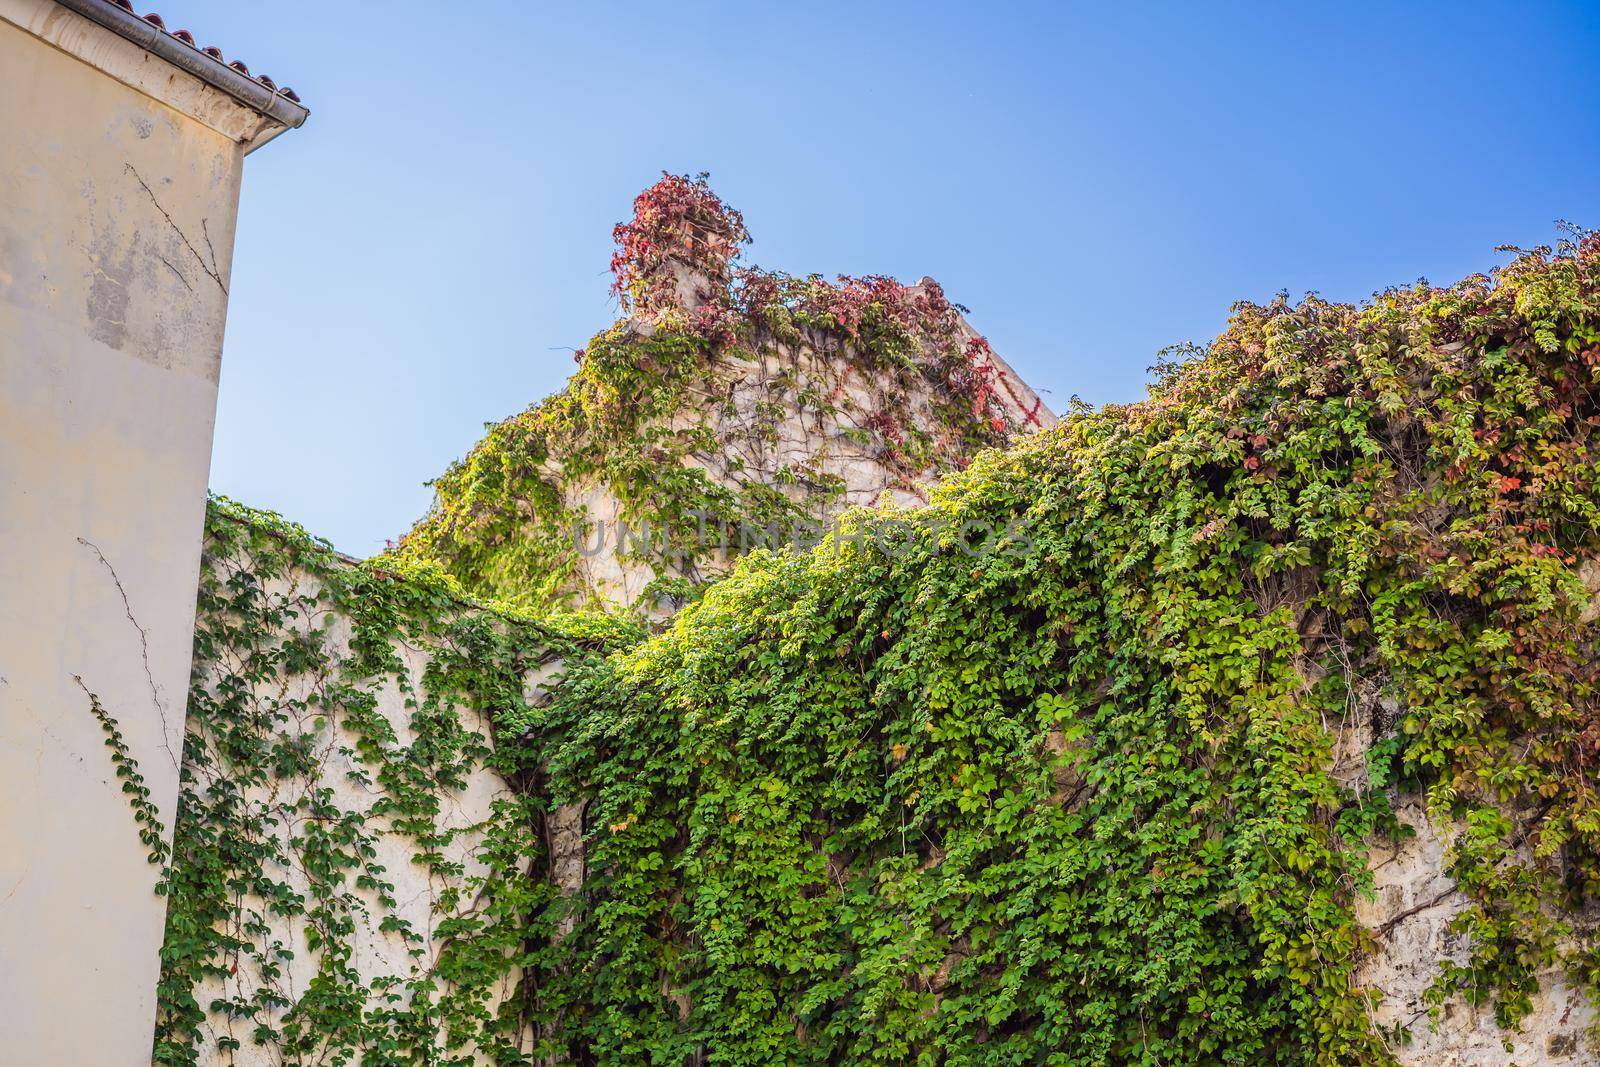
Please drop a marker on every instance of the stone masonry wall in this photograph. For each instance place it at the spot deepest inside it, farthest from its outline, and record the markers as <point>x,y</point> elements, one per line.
<point>1410,915</point>
<point>767,433</point>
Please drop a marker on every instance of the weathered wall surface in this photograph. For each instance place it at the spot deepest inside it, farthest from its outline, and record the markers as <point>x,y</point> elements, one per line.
<point>1410,914</point>
<point>117,213</point>
<point>790,417</point>
<point>362,859</point>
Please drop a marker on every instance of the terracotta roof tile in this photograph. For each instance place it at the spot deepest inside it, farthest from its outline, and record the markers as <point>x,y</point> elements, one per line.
<point>215,53</point>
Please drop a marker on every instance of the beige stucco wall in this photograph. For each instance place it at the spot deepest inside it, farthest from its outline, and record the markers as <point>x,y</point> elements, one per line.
<point>116,235</point>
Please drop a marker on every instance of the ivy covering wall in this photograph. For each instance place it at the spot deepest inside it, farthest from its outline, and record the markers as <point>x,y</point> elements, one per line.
<point>729,408</point>
<point>345,737</point>
<point>1042,772</point>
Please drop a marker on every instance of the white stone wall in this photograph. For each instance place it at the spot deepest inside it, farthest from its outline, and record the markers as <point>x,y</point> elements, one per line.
<point>377,954</point>
<point>1410,914</point>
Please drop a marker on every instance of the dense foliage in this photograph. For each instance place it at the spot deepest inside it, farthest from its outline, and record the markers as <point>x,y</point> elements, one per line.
<point>1040,773</point>
<point>1068,797</point>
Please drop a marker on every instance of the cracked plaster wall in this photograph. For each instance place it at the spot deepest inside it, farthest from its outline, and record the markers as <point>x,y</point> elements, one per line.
<point>1410,914</point>
<point>116,228</point>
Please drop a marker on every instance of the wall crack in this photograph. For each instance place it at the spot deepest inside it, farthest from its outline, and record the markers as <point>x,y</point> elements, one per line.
<point>210,269</point>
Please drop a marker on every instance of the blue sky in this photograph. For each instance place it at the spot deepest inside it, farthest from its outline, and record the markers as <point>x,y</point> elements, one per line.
<point>424,255</point>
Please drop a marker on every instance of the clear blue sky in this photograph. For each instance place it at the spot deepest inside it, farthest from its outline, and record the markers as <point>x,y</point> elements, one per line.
<point>425,253</point>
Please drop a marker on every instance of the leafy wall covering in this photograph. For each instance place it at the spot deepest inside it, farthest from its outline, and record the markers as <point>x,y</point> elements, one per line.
<point>1041,772</point>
